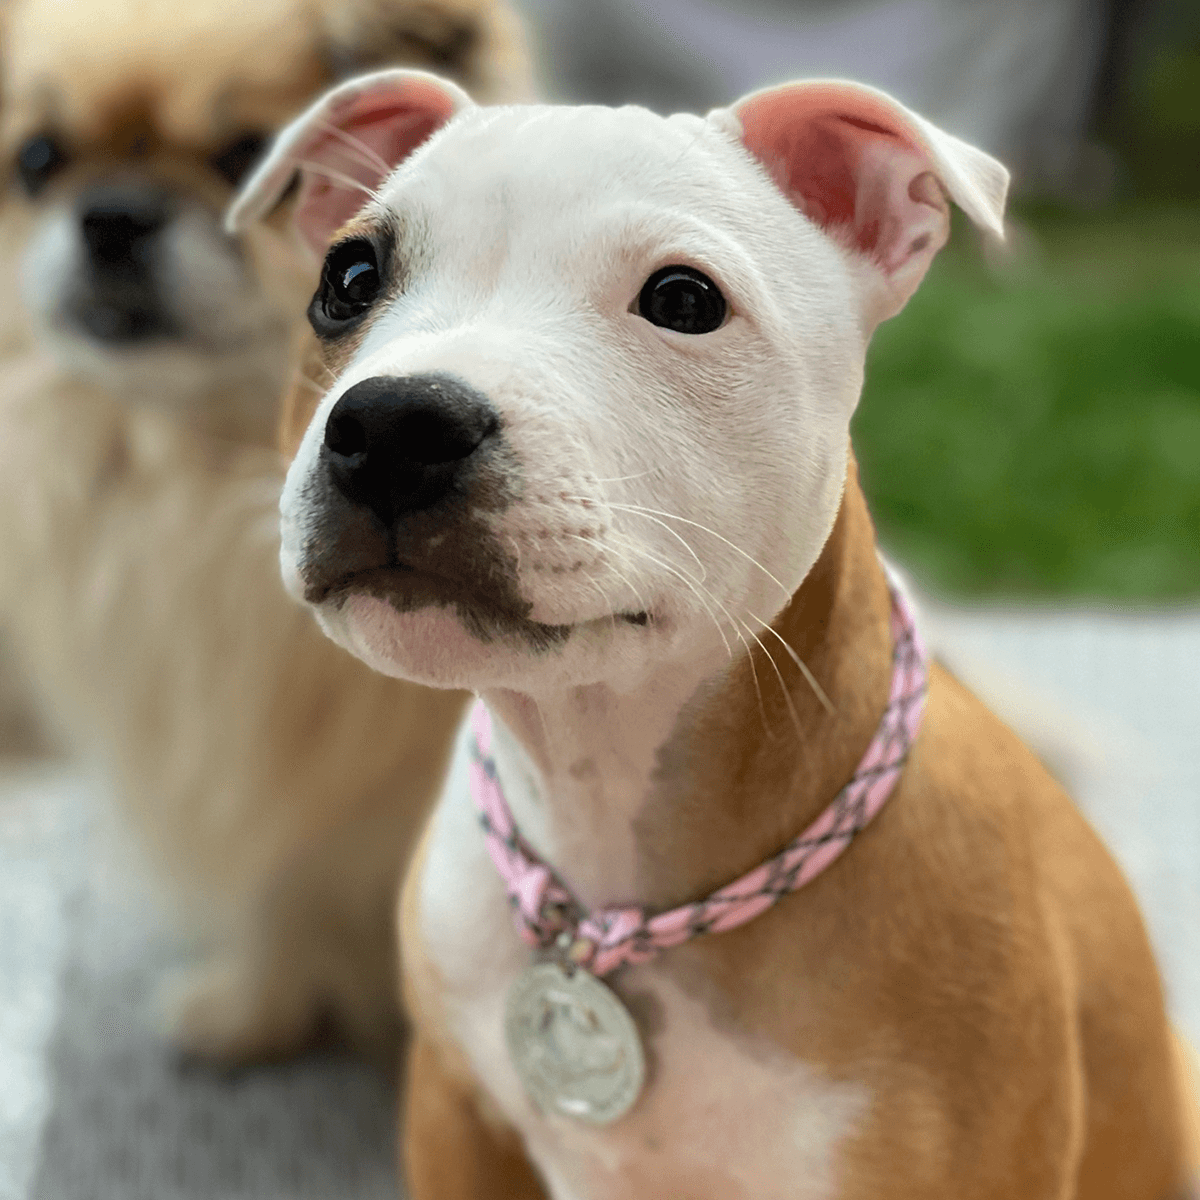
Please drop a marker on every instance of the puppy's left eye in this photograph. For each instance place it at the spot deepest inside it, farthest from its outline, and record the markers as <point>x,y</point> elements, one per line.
<point>682,299</point>
<point>350,283</point>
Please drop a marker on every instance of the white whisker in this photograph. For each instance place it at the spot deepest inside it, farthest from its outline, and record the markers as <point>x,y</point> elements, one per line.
<point>691,583</point>
<point>636,594</point>
<point>347,181</point>
<point>734,624</point>
<point>626,478</point>
<point>320,366</point>
<point>537,708</point>
<point>762,708</point>
<point>609,607</point>
<point>705,529</point>
<point>312,383</point>
<point>366,155</point>
<point>642,605</point>
<point>818,690</point>
<point>787,696</point>
<point>638,513</point>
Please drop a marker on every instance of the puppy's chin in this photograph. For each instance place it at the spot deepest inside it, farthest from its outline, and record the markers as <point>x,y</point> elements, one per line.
<point>429,645</point>
<point>435,646</point>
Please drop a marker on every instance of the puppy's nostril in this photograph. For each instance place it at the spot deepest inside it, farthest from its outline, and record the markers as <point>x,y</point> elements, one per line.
<point>344,435</point>
<point>430,438</point>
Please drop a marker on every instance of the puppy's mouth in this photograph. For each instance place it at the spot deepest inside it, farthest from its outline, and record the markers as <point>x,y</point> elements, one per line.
<point>406,589</point>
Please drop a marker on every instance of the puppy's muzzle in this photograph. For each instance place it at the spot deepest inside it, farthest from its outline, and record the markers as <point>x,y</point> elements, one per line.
<point>121,230</point>
<point>398,446</point>
<point>404,502</point>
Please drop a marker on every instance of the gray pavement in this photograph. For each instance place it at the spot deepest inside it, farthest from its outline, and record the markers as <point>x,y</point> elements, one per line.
<point>94,1107</point>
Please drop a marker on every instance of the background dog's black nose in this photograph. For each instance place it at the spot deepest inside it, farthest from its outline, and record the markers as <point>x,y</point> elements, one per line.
<point>117,225</point>
<point>120,302</point>
<point>399,445</point>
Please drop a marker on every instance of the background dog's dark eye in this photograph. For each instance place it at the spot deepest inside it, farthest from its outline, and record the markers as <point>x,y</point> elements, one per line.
<point>238,157</point>
<point>683,299</point>
<point>39,159</point>
<point>349,283</point>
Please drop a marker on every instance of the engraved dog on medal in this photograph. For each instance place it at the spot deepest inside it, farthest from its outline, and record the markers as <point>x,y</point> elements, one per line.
<point>573,1043</point>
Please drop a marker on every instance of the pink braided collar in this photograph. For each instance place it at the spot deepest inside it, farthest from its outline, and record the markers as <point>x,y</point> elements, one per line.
<point>546,913</point>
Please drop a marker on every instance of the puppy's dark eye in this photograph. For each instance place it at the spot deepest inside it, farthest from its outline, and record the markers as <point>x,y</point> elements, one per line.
<point>349,284</point>
<point>239,156</point>
<point>38,160</point>
<point>683,299</point>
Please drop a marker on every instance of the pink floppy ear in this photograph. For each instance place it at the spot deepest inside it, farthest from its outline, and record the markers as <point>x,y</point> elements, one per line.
<point>872,174</point>
<point>343,147</point>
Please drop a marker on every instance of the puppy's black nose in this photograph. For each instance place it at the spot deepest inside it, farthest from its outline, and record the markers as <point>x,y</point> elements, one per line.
<point>118,224</point>
<point>398,446</point>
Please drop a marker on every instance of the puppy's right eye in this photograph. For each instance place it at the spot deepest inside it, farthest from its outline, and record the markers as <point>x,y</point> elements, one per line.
<point>350,283</point>
<point>682,299</point>
<point>38,160</point>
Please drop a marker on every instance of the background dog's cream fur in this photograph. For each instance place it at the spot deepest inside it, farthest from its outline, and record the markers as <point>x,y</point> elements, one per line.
<point>276,780</point>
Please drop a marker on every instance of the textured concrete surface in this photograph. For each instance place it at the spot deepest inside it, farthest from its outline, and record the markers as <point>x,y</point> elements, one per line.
<point>94,1107</point>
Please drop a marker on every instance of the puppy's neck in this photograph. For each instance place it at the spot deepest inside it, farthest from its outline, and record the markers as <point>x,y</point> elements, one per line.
<point>662,796</point>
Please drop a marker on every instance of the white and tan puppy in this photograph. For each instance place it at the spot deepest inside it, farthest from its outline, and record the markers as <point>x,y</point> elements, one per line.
<point>586,451</point>
<point>143,351</point>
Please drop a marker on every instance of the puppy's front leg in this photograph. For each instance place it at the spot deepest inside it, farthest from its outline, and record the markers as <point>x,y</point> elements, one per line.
<point>450,1150</point>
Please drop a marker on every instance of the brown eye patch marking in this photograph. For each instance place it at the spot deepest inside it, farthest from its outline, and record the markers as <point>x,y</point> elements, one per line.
<point>320,360</point>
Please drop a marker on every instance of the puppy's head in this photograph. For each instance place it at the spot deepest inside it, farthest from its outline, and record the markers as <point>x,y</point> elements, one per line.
<point>126,124</point>
<point>592,369</point>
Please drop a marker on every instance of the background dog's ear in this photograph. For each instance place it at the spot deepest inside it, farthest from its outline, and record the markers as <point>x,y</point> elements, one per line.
<point>480,44</point>
<point>343,147</point>
<point>871,173</point>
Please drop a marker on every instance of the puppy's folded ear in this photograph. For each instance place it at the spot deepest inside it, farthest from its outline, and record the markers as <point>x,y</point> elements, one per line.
<point>872,174</point>
<point>343,147</point>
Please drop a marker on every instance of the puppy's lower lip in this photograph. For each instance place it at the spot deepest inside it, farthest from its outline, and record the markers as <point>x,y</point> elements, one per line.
<point>378,581</point>
<point>357,581</point>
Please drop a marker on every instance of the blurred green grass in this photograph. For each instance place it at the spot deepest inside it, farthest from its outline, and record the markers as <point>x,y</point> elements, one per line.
<point>1032,428</point>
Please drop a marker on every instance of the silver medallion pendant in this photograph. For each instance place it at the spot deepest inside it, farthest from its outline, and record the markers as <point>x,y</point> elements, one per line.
<point>573,1043</point>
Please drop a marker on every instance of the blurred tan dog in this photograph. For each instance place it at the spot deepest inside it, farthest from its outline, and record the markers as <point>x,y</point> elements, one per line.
<point>276,780</point>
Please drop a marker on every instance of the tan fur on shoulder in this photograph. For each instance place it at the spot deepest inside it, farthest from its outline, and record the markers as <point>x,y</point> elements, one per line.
<point>978,891</point>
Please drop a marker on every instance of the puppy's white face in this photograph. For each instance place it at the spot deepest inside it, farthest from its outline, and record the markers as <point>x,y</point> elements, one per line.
<point>590,372</point>
<point>641,491</point>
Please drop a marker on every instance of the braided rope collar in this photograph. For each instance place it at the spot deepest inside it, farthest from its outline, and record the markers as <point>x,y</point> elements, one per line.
<point>546,914</point>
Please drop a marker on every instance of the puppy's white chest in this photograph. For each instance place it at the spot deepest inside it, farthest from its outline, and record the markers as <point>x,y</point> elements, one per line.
<point>721,1114</point>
